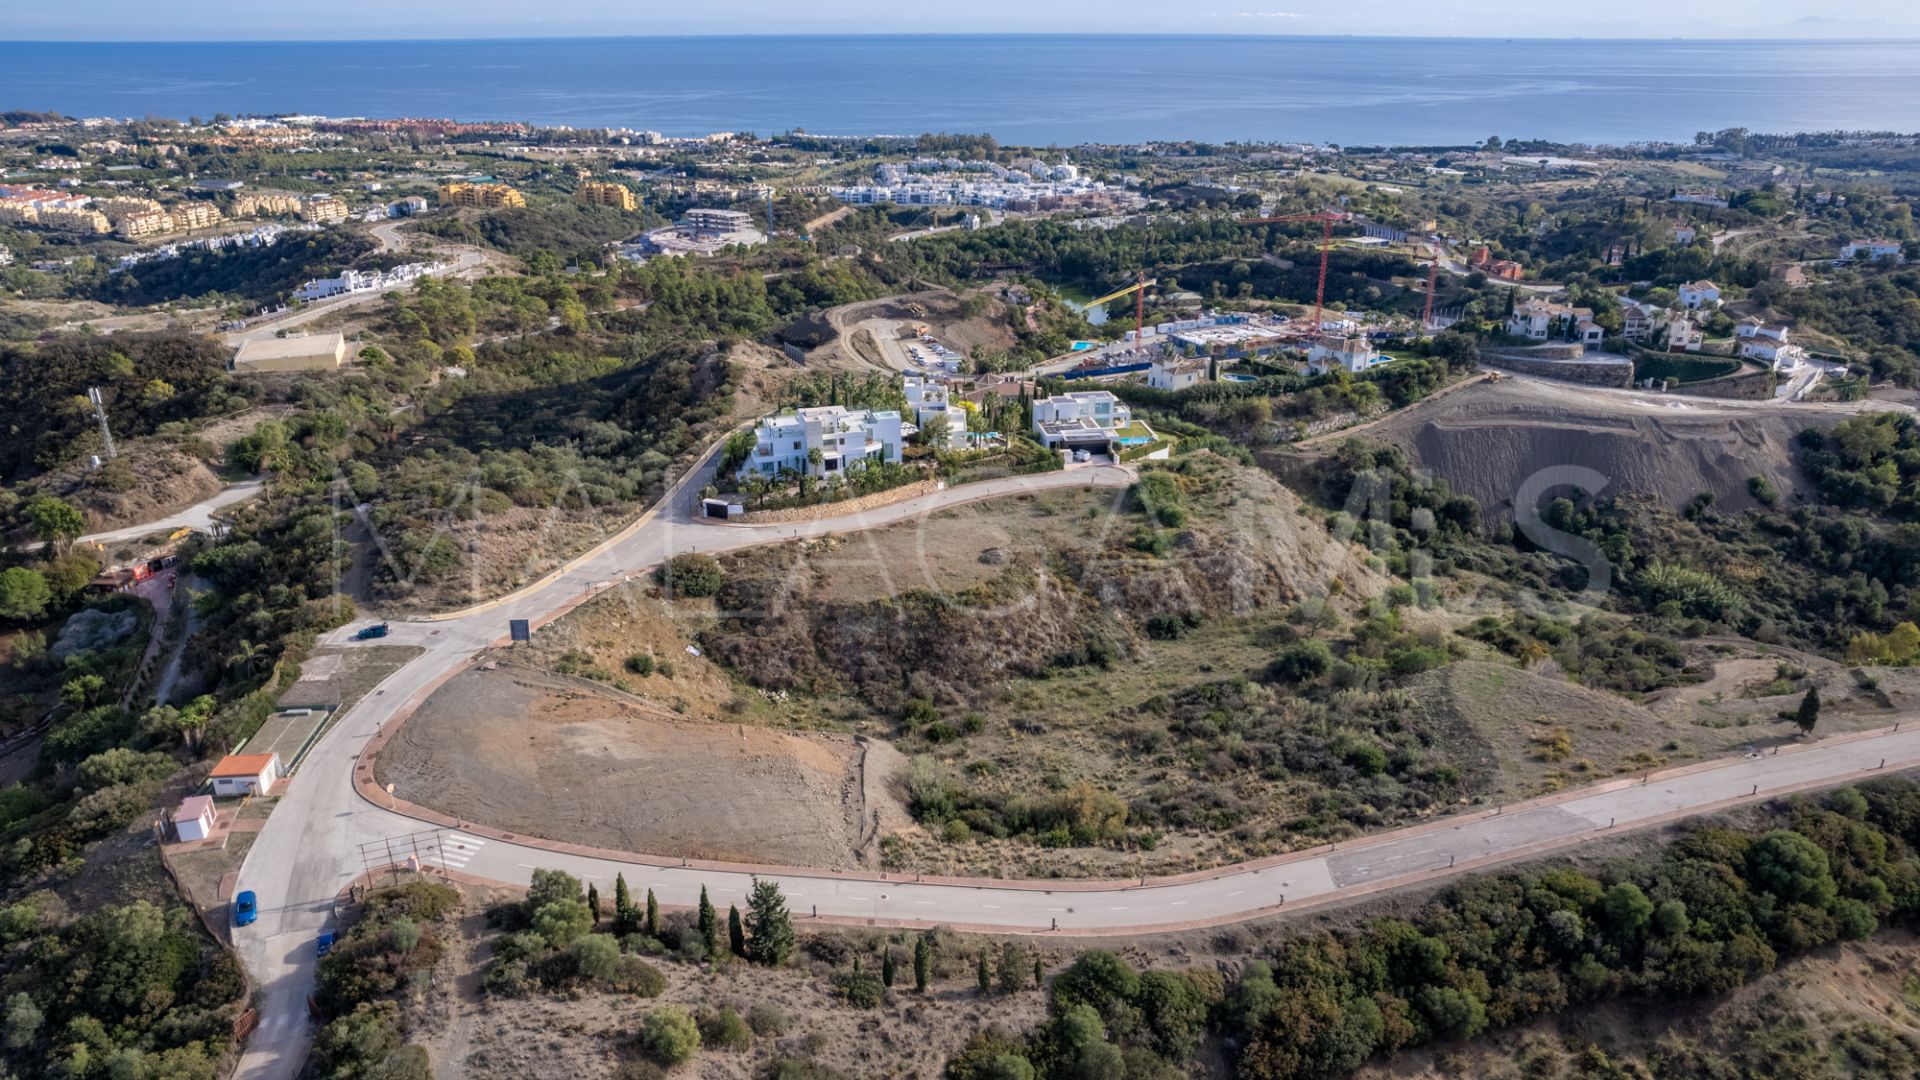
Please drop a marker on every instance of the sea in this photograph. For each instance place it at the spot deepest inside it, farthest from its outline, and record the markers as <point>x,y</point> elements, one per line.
<point>1036,90</point>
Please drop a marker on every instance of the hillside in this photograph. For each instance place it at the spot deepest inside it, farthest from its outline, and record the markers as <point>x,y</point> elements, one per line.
<point>1490,438</point>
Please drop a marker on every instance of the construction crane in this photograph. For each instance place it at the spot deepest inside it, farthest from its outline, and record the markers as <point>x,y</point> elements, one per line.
<point>1433,276</point>
<point>1139,291</point>
<point>1326,218</point>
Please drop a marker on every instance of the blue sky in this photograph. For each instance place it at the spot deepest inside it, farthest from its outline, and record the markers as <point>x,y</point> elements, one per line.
<point>250,20</point>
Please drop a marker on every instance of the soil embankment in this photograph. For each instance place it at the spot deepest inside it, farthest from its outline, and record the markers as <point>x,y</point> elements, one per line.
<point>563,759</point>
<point>1487,440</point>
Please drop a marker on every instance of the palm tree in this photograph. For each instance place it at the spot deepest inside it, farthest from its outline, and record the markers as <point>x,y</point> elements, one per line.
<point>248,656</point>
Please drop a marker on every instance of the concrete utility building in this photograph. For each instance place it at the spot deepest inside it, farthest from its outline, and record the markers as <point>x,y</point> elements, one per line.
<point>195,818</point>
<point>319,352</point>
<point>245,774</point>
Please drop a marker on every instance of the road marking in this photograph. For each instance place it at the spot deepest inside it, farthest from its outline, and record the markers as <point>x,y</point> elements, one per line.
<point>1116,909</point>
<point>991,907</point>
<point>1236,892</point>
<point>1176,903</point>
<point>929,903</point>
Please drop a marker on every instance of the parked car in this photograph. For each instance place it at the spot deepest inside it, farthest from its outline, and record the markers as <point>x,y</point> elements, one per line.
<point>323,944</point>
<point>246,908</point>
<point>375,631</point>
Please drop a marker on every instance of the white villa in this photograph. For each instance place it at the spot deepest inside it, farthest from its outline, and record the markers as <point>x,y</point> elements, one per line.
<point>1169,373</point>
<point>1871,250</point>
<point>1091,420</point>
<point>1699,294</point>
<point>1538,320</point>
<point>1356,354</point>
<point>928,402</point>
<point>1765,341</point>
<point>844,437</point>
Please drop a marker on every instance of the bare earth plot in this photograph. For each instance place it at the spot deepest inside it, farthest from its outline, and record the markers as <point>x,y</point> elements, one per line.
<point>563,759</point>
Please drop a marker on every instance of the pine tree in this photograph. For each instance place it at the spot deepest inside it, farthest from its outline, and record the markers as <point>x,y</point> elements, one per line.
<point>736,931</point>
<point>593,902</point>
<point>886,969</point>
<point>922,963</point>
<point>985,973</point>
<point>709,923</point>
<point>1809,711</point>
<point>769,928</point>
<point>653,914</point>
<point>623,921</point>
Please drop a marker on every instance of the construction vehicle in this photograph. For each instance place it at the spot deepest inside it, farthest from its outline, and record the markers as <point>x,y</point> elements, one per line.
<point>1139,291</point>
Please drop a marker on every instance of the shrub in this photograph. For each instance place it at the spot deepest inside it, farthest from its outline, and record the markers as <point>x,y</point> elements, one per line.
<point>1300,662</point>
<point>767,1019</point>
<point>640,664</point>
<point>725,1030</point>
<point>861,989</point>
<point>692,574</point>
<point>670,1035</point>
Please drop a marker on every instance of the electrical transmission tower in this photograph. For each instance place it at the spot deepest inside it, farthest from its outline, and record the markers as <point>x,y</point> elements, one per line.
<point>100,414</point>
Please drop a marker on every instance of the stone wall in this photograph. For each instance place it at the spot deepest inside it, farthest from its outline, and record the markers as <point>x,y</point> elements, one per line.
<point>1751,386</point>
<point>1570,363</point>
<point>841,506</point>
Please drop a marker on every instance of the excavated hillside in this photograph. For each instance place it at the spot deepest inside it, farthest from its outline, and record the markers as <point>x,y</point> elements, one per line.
<point>1488,440</point>
<point>1015,587</point>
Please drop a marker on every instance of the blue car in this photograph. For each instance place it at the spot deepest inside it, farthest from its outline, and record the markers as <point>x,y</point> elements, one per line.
<point>246,908</point>
<point>323,944</point>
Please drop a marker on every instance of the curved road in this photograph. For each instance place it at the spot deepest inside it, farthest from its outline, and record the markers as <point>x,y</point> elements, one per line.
<point>309,849</point>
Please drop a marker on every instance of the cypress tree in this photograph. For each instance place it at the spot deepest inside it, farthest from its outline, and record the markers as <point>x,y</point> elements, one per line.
<point>886,969</point>
<point>593,902</point>
<point>1039,973</point>
<point>653,914</point>
<point>1809,712</point>
<point>922,963</point>
<point>736,931</point>
<point>709,923</point>
<point>985,972</point>
<point>623,920</point>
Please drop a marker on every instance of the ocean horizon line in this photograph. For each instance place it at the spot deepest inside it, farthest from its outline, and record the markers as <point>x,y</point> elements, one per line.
<point>1783,35</point>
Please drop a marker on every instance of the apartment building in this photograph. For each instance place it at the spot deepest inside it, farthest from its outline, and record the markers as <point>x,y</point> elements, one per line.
<point>120,207</point>
<point>143,223</point>
<point>844,438</point>
<point>606,193</point>
<point>266,204</point>
<point>490,196</point>
<point>194,215</point>
<point>323,210</point>
<point>61,219</point>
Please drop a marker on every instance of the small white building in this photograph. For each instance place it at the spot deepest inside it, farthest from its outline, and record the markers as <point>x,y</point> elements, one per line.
<point>1769,331</point>
<point>1168,373</point>
<point>245,774</point>
<point>1684,335</point>
<point>195,817</point>
<point>1872,250</point>
<point>1774,351</point>
<point>845,438</point>
<point>1684,235</point>
<point>1695,295</point>
<point>1091,420</point>
<point>1356,354</point>
<point>929,403</point>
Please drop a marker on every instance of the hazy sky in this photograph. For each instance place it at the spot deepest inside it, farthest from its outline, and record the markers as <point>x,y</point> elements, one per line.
<point>251,20</point>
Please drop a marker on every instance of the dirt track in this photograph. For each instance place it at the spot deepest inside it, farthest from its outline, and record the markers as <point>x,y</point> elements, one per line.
<point>562,759</point>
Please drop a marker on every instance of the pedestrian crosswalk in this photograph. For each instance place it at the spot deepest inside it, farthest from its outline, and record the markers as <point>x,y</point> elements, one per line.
<point>458,849</point>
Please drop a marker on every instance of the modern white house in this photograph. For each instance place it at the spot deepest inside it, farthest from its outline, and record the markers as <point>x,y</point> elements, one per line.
<point>1782,356</point>
<point>1769,331</point>
<point>844,438</point>
<point>245,774</point>
<point>195,817</point>
<point>1684,335</point>
<point>929,403</point>
<point>1090,420</point>
<point>1871,250</point>
<point>1356,354</point>
<point>1695,295</point>
<point>1540,320</point>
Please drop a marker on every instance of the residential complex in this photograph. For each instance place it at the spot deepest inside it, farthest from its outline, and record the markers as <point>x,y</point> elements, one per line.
<point>266,204</point>
<point>360,281</point>
<point>488,196</point>
<point>600,193</point>
<point>932,411</point>
<point>323,209</point>
<point>699,232</point>
<point>824,441</point>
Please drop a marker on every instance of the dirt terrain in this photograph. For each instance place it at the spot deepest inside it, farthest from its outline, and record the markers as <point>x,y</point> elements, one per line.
<point>862,335</point>
<point>567,759</point>
<point>1490,438</point>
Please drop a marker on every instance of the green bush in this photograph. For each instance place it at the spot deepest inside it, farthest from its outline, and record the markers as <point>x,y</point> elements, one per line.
<point>670,1035</point>
<point>1301,662</point>
<point>640,664</point>
<point>692,574</point>
<point>725,1030</point>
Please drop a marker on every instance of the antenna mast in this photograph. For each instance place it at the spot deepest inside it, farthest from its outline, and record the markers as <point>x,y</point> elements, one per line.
<point>100,414</point>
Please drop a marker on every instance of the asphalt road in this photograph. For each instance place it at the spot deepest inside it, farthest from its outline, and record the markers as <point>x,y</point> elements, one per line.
<point>311,848</point>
